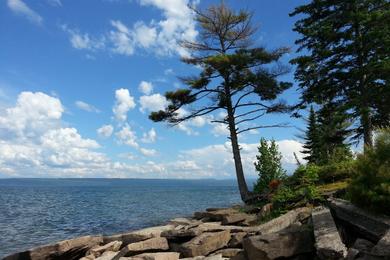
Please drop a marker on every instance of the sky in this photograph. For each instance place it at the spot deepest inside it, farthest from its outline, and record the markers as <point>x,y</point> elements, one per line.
<point>79,78</point>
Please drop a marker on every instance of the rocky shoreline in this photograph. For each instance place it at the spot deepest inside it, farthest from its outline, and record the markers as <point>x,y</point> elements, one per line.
<point>337,230</point>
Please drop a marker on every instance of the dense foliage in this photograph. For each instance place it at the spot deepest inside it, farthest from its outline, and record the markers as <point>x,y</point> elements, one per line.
<point>370,188</point>
<point>345,61</point>
<point>268,167</point>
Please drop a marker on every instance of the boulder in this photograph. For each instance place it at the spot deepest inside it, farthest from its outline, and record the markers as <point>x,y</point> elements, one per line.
<point>185,222</point>
<point>138,235</point>
<point>154,256</point>
<point>382,248</point>
<point>152,244</point>
<point>214,257</point>
<point>108,255</point>
<point>228,252</point>
<point>180,234</point>
<point>236,240</point>
<point>112,246</point>
<point>281,244</point>
<point>327,239</point>
<point>205,243</point>
<point>216,226</point>
<point>282,222</point>
<point>215,215</point>
<point>67,249</point>
<point>363,245</point>
<point>239,256</point>
<point>265,210</point>
<point>363,223</point>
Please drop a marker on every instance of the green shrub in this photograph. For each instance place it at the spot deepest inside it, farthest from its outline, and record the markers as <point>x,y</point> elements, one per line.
<point>298,190</point>
<point>336,171</point>
<point>370,187</point>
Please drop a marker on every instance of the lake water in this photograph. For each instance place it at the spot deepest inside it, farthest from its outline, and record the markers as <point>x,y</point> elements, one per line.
<point>34,212</point>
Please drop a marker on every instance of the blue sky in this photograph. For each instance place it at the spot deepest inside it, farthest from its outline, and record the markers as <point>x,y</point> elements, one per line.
<point>78,79</point>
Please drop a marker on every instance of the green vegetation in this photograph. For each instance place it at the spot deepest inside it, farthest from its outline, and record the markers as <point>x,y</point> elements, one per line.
<point>269,167</point>
<point>370,188</point>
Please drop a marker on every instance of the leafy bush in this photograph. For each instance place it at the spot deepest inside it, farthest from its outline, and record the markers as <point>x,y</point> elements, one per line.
<point>370,187</point>
<point>299,189</point>
<point>269,167</point>
<point>336,171</point>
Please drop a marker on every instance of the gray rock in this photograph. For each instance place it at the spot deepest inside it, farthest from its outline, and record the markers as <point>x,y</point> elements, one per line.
<point>281,222</point>
<point>108,255</point>
<point>228,252</point>
<point>365,224</point>
<point>236,240</point>
<point>281,244</point>
<point>138,235</point>
<point>327,239</point>
<point>205,243</point>
<point>113,246</point>
<point>382,248</point>
<point>67,249</point>
<point>265,210</point>
<point>363,245</point>
<point>154,256</point>
<point>152,244</point>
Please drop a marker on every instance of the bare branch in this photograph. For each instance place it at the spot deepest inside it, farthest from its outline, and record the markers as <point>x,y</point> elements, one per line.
<point>263,126</point>
<point>250,119</point>
<point>250,112</point>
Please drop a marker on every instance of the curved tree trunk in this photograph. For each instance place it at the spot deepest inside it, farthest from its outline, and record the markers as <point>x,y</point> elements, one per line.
<point>243,187</point>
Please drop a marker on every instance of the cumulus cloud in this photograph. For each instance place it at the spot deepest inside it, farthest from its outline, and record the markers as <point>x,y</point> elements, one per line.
<point>21,8</point>
<point>148,152</point>
<point>32,114</point>
<point>86,107</point>
<point>127,136</point>
<point>150,136</point>
<point>159,37</point>
<point>220,130</point>
<point>153,102</point>
<point>84,40</point>
<point>105,131</point>
<point>145,87</point>
<point>123,103</point>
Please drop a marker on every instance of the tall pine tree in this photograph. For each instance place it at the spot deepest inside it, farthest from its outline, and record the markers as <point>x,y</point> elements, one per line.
<point>347,46</point>
<point>312,145</point>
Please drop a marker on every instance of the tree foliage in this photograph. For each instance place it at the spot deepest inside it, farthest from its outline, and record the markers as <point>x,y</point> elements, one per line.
<point>268,166</point>
<point>346,46</point>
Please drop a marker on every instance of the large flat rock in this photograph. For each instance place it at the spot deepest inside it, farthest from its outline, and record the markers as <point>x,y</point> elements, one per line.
<point>327,239</point>
<point>283,244</point>
<point>205,243</point>
<point>154,256</point>
<point>281,222</point>
<point>152,244</point>
<point>138,235</point>
<point>365,224</point>
<point>67,249</point>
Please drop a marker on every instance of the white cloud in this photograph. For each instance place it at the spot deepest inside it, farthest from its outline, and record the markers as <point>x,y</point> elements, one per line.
<point>168,72</point>
<point>144,35</point>
<point>123,103</point>
<point>150,136</point>
<point>220,130</point>
<point>55,3</point>
<point>153,102</point>
<point>148,152</point>
<point>85,106</point>
<point>84,40</point>
<point>32,114</point>
<point>127,136</point>
<point>121,39</point>
<point>57,139</point>
<point>105,131</point>
<point>145,87</point>
<point>159,37</point>
<point>21,8</point>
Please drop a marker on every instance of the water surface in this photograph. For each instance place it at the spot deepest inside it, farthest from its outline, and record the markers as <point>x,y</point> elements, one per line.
<point>39,211</point>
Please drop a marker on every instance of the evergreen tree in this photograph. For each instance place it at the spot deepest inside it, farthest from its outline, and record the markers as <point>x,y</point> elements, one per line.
<point>347,46</point>
<point>235,77</point>
<point>312,139</point>
<point>268,165</point>
<point>334,132</point>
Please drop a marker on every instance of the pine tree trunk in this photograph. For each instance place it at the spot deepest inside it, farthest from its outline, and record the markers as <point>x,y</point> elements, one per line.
<point>243,187</point>
<point>367,128</point>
